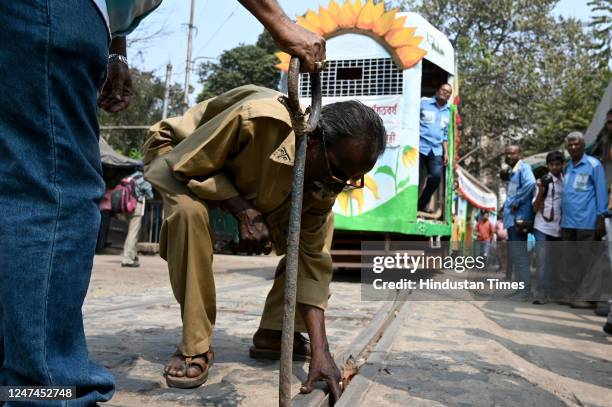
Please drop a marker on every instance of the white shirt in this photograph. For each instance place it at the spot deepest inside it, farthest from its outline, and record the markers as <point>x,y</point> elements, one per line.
<point>552,200</point>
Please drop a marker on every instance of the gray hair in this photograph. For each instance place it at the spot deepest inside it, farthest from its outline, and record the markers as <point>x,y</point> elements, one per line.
<point>353,119</point>
<point>574,135</point>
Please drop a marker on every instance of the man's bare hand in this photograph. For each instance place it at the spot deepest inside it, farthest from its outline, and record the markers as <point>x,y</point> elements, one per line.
<point>289,37</point>
<point>117,90</point>
<point>254,233</point>
<point>323,368</point>
<point>304,44</point>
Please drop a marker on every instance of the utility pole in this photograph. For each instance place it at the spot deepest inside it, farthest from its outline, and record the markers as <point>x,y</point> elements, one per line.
<point>188,61</point>
<point>167,90</point>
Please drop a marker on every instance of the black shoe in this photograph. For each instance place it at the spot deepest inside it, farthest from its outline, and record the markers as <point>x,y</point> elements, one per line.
<point>602,311</point>
<point>608,328</point>
<point>540,301</point>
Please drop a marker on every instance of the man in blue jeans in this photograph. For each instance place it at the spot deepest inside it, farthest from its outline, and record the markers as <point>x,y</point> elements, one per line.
<point>54,57</point>
<point>517,210</point>
<point>433,142</point>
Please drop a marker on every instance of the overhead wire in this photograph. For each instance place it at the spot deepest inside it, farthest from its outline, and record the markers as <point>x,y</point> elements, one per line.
<point>214,34</point>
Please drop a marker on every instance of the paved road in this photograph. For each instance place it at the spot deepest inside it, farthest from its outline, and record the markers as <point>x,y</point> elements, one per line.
<point>494,354</point>
<point>443,353</point>
<point>133,326</point>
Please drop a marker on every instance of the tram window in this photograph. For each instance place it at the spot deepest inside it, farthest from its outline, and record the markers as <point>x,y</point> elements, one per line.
<point>344,74</point>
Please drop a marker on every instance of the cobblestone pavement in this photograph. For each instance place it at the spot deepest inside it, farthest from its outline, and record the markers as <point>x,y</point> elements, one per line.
<point>133,325</point>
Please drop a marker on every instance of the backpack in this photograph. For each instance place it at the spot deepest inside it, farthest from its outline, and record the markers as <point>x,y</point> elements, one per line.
<point>123,197</point>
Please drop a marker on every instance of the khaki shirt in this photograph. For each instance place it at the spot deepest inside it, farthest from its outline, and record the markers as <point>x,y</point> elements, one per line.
<point>241,143</point>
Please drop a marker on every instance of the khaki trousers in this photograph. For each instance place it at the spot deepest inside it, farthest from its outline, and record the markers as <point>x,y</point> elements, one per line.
<point>186,243</point>
<point>130,246</point>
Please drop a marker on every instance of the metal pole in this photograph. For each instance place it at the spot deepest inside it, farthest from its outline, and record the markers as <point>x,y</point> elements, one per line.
<point>188,60</point>
<point>167,90</point>
<point>301,129</point>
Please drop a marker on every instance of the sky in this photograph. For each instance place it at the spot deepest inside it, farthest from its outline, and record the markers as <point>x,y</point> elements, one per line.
<point>223,24</point>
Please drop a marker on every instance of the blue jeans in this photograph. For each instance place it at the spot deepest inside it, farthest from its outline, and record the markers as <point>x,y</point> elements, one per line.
<point>547,256</point>
<point>519,257</point>
<point>434,165</point>
<point>53,58</point>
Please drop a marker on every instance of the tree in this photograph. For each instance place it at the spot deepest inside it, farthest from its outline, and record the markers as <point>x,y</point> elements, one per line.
<point>525,75</point>
<point>601,27</point>
<point>145,109</point>
<point>244,64</point>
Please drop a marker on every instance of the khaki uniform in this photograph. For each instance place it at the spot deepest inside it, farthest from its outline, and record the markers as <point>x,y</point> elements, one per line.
<point>239,143</point>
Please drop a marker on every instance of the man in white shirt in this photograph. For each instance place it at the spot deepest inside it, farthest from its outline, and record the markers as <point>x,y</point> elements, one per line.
<point>547,225</point>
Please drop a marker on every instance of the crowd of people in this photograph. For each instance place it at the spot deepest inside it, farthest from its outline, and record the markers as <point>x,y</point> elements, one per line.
<point>569,203</point>
<point>564,205</point>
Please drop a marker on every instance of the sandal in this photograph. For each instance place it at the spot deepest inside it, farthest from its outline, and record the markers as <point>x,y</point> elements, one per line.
<point>301,350</point>
<point>203,361</point>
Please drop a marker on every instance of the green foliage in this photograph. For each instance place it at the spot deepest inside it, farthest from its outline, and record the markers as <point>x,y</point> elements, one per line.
<point>145,109</point>
<point>135,154</point>
<point>266,42</point>
<point>601,29</point>
<point>242,65</point>
<point>525,75</point>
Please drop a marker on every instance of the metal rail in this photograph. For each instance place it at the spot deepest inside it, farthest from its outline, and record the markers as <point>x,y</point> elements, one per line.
<point>300,128</point>
<point>359,352</point>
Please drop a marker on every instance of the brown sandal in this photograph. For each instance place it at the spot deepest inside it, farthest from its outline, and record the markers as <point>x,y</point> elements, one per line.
<point>203,361</point>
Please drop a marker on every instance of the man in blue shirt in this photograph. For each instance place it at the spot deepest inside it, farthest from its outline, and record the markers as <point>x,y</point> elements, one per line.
<point>517,210</point>
<point>584,205</point>
<point>435,120</point>
<point>585,199</point>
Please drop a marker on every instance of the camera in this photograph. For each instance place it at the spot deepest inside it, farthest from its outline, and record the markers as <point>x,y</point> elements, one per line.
<point>504,172</point>
<point>546,180</point>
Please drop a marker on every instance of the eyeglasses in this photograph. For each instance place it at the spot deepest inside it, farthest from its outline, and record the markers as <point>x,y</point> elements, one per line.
<point>338,183</point>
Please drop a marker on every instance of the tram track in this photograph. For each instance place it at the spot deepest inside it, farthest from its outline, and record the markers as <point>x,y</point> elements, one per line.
<point>359,357</point>
<point>370,347</point>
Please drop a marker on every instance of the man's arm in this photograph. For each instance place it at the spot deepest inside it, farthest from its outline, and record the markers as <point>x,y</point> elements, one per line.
<point>601,199</point>
<point>290,37</point>
<point>314,277</point>
<point>538,202</point>
<point>117,90</point>
<point>254,233</point>
<point>445,140</point>
<point>322,365</point>
<point>525,193</point>
<point>445,148</point>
